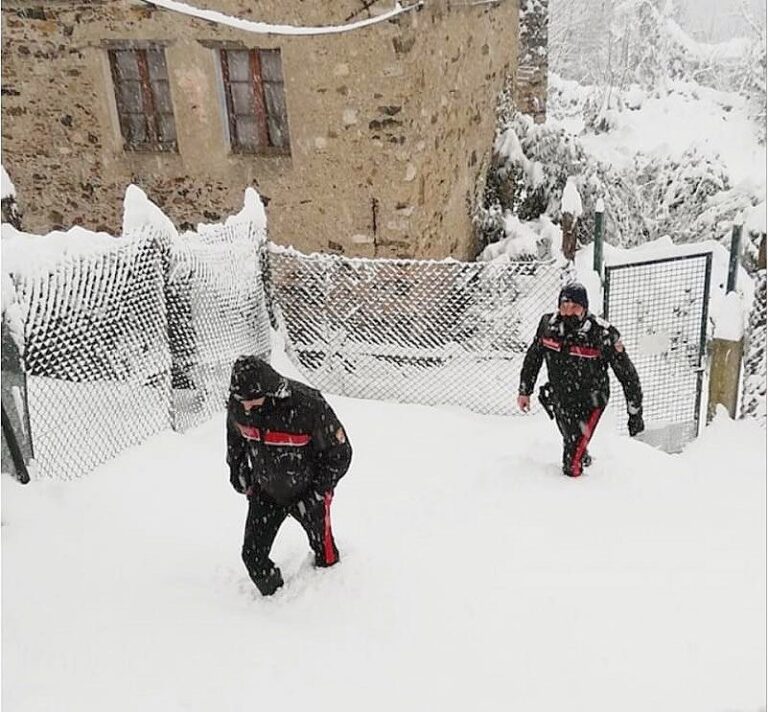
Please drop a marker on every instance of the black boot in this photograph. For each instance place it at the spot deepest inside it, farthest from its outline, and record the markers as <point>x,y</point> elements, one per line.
<point>268,584</point>
<point>586,460</point>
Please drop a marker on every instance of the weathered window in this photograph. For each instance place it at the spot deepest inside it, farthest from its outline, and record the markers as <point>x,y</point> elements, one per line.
<point>255,96</point>
<point>143,98</point>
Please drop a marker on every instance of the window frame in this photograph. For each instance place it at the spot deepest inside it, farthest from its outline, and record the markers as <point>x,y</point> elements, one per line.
<point>260,108</point>
<point>150,103</point>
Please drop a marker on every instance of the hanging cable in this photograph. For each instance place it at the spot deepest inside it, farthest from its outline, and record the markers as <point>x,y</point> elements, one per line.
<point>265,28</point>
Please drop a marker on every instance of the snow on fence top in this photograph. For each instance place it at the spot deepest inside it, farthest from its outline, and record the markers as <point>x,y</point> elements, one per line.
<point>139,211</point>
<point>26,254</point>
<point>253,213</point>
<point>265,28</point>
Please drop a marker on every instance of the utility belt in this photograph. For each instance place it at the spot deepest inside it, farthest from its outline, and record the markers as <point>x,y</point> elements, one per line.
<point>548,399</point>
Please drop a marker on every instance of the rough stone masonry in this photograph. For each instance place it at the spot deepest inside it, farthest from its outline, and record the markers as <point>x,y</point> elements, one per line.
<point>390,126</point>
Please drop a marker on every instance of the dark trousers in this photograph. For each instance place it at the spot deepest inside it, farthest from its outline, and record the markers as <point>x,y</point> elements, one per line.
<point>264,519</point>
<point>577,423</point>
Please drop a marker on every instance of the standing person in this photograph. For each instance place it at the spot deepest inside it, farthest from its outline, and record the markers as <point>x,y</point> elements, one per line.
<point>578,346</point>
<point>286,451</point>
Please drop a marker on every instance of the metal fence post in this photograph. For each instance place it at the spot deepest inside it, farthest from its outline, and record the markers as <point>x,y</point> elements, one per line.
<point>9,436</point>
<point>17,448</point>
<point>606,293</point>
<point>733,264</point>
<point>597,262</point>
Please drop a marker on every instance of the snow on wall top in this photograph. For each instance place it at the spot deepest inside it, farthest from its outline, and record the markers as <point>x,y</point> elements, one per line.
<point>7,189</point>
<point>265,28</point>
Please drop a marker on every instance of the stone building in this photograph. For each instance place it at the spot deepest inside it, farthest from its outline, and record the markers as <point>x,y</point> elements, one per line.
<point>373,142</point>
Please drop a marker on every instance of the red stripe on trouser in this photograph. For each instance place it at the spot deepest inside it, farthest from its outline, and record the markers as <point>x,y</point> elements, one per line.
<point>581,447</point>
<point>328,552</point>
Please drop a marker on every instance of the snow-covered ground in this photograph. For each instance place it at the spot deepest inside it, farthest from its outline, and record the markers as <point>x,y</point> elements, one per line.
<point>474,577</point>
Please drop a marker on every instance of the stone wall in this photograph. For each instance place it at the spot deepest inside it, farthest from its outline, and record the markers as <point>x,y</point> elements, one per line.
<point>391,126</point>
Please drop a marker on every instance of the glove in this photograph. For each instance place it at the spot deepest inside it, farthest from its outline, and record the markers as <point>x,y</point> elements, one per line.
<point>237,481</point>
<point>635,424</point>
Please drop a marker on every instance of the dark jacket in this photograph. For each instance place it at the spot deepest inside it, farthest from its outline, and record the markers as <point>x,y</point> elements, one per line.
<point>577,362</point>
<point>291,446</point>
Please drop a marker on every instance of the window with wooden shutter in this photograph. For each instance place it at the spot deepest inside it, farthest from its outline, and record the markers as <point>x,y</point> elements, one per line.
<point>255,96</point>
<point>143,98</point>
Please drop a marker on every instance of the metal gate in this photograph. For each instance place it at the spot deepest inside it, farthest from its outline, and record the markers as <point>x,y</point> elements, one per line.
<point>660,307</point>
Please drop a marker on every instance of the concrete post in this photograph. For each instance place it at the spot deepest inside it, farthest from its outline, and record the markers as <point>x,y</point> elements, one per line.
<point>724,376</point>
<point>725,368</point>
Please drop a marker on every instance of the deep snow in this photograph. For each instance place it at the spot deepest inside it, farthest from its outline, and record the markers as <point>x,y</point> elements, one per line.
<point>474,576</point>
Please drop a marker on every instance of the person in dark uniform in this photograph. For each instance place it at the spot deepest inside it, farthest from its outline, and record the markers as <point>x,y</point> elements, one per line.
<point>286,451</point>
<point>578,347</point>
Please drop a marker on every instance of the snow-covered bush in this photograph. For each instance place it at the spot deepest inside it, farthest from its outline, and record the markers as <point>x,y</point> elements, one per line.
<point>686,193</point>
<point>749,77</point>
<point>676,193</point>
<point>532,163</point>
<point>754,388</point>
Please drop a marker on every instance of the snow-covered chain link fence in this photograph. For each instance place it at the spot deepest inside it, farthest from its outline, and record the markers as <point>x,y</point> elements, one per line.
<point>417,331</point>
<point>216,311</point>
<point>137,337</point>
<point>96,354</point>
<point>140,335</point>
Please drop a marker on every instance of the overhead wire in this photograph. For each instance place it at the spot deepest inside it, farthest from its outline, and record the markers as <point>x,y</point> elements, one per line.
<point>276,29</point>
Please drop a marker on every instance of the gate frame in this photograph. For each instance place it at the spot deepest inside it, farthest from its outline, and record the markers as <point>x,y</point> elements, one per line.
<point>701,366</point>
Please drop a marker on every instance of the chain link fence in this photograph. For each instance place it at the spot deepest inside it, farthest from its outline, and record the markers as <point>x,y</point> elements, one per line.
<point>95,354</point>
<point>414,331</point>
<point>140,335</point>
<point>216,311</point>
<point>135,337</point>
